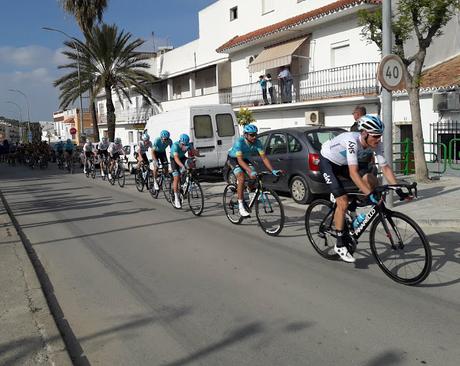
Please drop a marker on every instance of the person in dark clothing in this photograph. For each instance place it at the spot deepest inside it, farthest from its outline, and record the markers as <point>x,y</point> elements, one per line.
<point>358,112</point>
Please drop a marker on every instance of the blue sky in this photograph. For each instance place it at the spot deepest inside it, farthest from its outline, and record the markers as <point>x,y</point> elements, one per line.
<point>29,56</point>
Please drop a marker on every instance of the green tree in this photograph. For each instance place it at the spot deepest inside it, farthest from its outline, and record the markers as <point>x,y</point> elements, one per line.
<point>244,116</point>
<point>87,13</point>
<point>421,20</point>
<point>109,62</point>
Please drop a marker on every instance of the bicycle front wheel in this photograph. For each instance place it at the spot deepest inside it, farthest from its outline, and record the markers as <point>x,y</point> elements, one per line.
<point>408,259</point>
<point>270,212</point>
<point>121,176</point>
<point>230,201</point>
<point>139,179</point>
<point>166,184</point>
<point>195,197</point>
<point>93,171</point>
<point>318,224</point>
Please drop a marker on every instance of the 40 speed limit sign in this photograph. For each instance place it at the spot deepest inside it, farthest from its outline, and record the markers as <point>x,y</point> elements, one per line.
<point>390,73</point>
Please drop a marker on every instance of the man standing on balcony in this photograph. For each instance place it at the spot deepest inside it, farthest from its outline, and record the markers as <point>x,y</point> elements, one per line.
<point>268,78</point>
<point>358,112</point>
<point>286,85</point>
<point>263,86</point>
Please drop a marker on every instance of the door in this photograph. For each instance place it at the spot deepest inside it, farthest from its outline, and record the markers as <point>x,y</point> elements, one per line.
<point>277,152</point>
<point>204,140</point>
<point>225,135</point>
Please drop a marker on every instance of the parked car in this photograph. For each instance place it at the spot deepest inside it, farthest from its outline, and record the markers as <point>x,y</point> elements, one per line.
<point>296,151</point>
<point>131,153</point>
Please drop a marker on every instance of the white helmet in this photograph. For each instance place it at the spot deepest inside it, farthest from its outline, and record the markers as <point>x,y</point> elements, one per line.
<point>371,124</point>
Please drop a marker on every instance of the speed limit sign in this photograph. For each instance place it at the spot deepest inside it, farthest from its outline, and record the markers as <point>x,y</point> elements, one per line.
<point>390,73</point>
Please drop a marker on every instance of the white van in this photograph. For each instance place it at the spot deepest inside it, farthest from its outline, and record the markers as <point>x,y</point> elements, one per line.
<point>212,129</point>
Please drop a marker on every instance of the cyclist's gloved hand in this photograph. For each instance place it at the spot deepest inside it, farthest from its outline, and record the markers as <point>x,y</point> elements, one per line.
<point>402,195</point>
<point>252,174</point>
<point>276,172</point>
<point>372,199</point>
<point>183,169</point>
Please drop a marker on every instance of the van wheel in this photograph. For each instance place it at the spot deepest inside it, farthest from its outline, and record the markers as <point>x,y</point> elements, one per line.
<point>300,192</point>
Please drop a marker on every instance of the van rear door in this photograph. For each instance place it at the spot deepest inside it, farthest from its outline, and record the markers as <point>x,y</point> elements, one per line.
<point>225,129</point>
<point>204,139</point>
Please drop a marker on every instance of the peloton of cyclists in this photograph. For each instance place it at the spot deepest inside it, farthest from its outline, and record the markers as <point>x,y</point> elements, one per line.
<point>238,160</point>
<point>159,154</point>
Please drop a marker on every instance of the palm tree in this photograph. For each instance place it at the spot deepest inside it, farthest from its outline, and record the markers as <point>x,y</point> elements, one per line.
<point>109,62</point>
<point>87,13</point>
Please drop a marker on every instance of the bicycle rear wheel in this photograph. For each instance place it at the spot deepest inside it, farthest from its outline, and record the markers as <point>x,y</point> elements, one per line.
<point>318,224</point>
<point>166,187</point>
<point>93,171</point>
<point>139,179</point>
<point>270,212</point>
<point>230,201</point>
<point>408,260</point>
<point>113,174</point>
<point>121,176</point>
<point>195,197</point>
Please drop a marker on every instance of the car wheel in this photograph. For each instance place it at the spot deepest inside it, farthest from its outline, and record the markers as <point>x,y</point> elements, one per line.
<point>300,192</point>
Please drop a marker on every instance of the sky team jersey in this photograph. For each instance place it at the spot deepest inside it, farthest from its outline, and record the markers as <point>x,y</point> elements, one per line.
<point>103,145</point>
<point>160,146</point>
<point>87,147</point>
<point>144,146</point>
<point>346,149</point>
<point>115,148</point>
<point>241,148</point>
<point>176,149</point>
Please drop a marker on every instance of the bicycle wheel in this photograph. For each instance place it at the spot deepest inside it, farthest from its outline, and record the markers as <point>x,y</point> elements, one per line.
<point>408,261</point>
<point>318,224</point>
<point>195,197</point>
<point>230,201</point>
<point>87,169</point>
<point>155,192</point>
<point>166,187</point>
<point>139,179</point>
<point>270,212</point>
<point>93,171</point>
<point>121,176</point>
<point>113,174</point>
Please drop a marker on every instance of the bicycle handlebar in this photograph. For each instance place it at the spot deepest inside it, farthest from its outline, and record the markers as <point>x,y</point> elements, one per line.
<point>411,188</point>
<point>282,172</point>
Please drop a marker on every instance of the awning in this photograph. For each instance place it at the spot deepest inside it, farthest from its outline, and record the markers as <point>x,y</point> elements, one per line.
<point>276,56</point>
<point>70,120</point>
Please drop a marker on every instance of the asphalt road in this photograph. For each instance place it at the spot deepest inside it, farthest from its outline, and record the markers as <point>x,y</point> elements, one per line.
<point>141,283</point>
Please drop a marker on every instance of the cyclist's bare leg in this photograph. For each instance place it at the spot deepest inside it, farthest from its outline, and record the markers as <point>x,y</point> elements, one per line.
<point>240,185</point>
<point>339,215</point>
<point>176,181</point>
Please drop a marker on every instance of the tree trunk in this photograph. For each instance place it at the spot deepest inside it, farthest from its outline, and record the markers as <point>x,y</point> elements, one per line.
<point>110,113</point>
<point>94,117</point>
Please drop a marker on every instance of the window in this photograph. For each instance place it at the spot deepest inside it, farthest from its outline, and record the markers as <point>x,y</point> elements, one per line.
<point>234,13</point>
<point>267,6</point>
<point>130,137</point>
<point>317,139</point>
<point>294,144</point>
<point>277,144</point>
<point>139,136</point>
<point>203,126</point>
<point>340,54</point>
<point>263,139</point>
<point>127,148</point>
<point>225,125</point>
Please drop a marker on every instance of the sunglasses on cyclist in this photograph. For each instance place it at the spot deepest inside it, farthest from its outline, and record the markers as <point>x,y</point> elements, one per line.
<point>375,136</point>
<point>252,134</point>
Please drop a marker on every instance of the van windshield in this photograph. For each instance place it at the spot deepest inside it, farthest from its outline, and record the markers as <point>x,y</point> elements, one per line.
<point>318,138</point>
<point>202,126</point>
<point>225,125</point>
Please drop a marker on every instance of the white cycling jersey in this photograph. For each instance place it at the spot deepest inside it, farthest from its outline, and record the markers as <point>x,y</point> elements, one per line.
<point>103,146</point>
<point>347,149</point>
<point>115,148</point>
<point>87,147</point>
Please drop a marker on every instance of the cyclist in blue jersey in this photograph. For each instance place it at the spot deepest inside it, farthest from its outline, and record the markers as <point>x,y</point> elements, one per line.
<point>238,160</point>
<point>179,149</point>
<point>59,147</point>
<point>68,150</point>
<point>159,154</point>
<point>339,157</point>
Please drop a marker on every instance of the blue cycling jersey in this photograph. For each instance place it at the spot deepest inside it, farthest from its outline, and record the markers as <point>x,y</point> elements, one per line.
<point>242,148</point>
<point>68,146</point>
<point>160,146</point>
<point>59,146</point>
<point>176,149</point>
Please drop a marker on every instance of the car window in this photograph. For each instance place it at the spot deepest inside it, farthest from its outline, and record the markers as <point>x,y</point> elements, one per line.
<point>127,148</point>
<point>225,125</point>
<point>277,144</point>
<point>318,138</point>
<point>294,144</point>
<point>203,126</point>
<point>263,139</point>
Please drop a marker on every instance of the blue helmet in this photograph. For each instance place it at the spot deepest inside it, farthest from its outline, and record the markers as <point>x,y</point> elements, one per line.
<point>250,129</point>
<point>184,139</point>
<point>371,124</point>
<point>69,141</point>
<point>164,134</point>
<point>145,137</point>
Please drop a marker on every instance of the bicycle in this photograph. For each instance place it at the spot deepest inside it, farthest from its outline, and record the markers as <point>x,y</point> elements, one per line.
<point>266,203</point>
<point>90,168</point>
<point>164,181</point>
<point>60,161</point>
<point>189,188</point>
<point>397,242</point>
<point>105,167</point>
<point>143,177</point>
<point>69,164</point>
<point>118,173</point>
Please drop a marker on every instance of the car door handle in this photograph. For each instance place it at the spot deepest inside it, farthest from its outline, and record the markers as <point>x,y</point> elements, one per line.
<point>279,159</point>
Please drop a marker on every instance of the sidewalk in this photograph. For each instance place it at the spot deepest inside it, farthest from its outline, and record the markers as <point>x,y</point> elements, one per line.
<point>28,333</point>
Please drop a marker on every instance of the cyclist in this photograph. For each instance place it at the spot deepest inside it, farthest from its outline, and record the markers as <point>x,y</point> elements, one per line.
<point>339,157</point>
<point>142,150</point>
<point>238,160</point>
<point>159,153</point>
<point>68,151</point>
<point>102,147</point>
<point>114,150</point>
<point>88,151</point>
<point>178,159</point>
<point>59,149</point>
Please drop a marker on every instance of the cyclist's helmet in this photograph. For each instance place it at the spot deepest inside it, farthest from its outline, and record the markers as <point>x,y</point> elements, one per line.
<point>145,137</point>
<point>250,128</point>
<point>118,141</point>
<point>371,124</point>
<point>164,134</point>
<point>184,139</point>
<point>69,141</point>
<point>104,139</point>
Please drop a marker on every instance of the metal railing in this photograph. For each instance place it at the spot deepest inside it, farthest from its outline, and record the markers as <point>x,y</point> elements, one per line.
<point>356,79</point>
<point>130,116</point>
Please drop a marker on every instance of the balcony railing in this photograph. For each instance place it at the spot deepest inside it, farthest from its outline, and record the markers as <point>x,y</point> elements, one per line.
<point>350,80</point>
<point>131,116</point>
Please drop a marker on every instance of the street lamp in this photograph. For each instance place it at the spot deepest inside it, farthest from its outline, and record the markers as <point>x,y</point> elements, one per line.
<point>78,72</point>
<point>28,106</point>
<point>19,108</point>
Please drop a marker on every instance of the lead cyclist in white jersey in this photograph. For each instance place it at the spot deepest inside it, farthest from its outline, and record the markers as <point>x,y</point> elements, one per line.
<point>339,157</point>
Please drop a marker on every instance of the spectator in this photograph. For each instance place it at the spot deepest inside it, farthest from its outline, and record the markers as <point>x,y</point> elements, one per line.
<point>263,86</point>
<point>286,85</point>
<point>268,78</point>
<point>358,112</point>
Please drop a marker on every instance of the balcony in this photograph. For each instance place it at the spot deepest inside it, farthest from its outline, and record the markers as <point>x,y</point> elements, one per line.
<point>129,116</point>
<point>344,81</point>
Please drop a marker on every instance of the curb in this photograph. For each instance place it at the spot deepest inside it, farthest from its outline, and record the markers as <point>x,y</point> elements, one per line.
<point>57,336</point>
